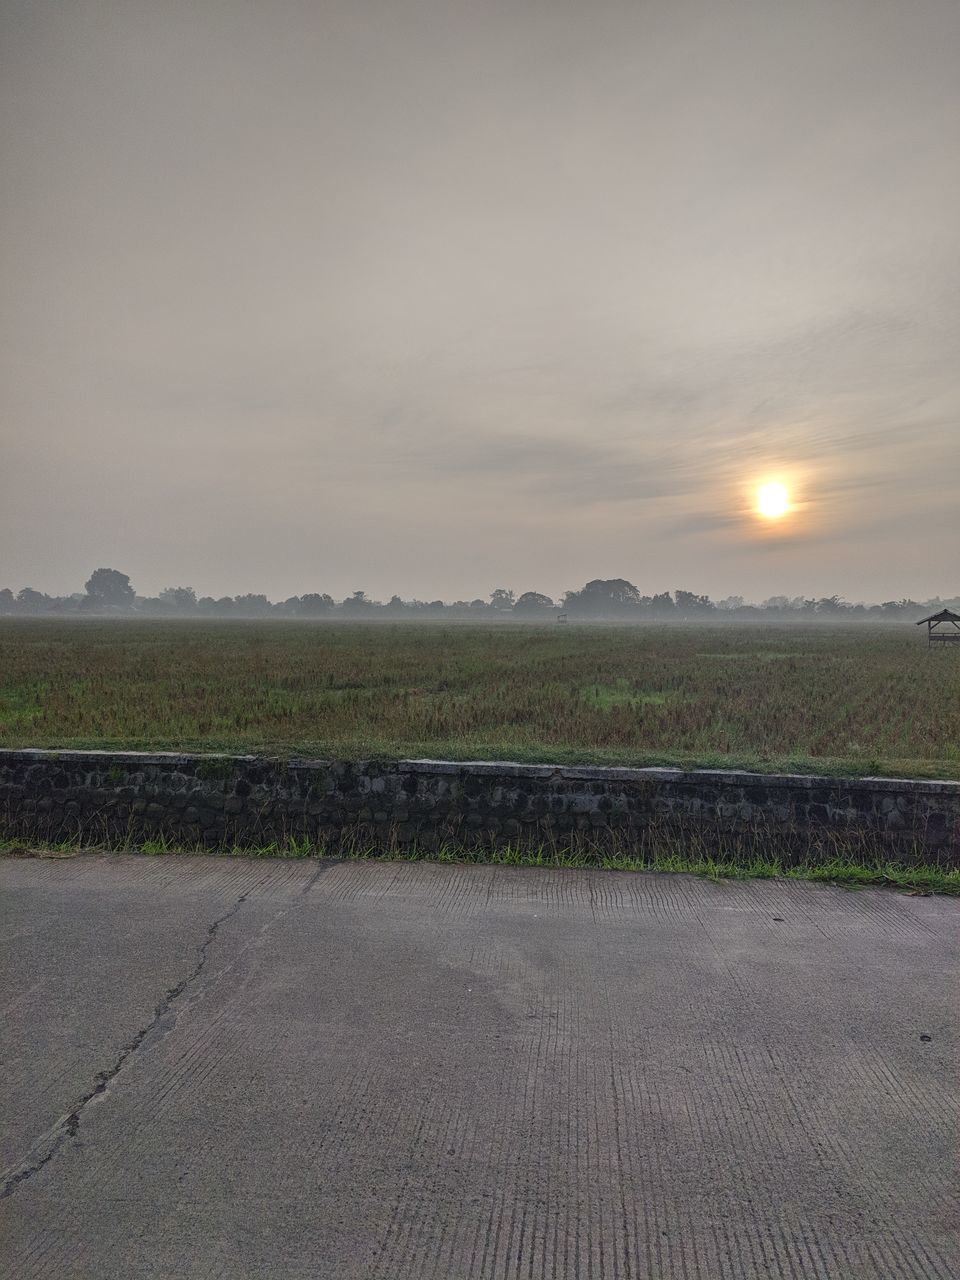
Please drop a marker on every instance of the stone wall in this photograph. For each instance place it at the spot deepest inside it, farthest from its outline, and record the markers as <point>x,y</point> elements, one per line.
<point>223,801</point>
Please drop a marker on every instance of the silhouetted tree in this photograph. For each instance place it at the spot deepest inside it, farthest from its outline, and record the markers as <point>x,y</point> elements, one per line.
<point>251,606</point>
<point>688,603</point>
<point>31,599</point>
<point>314,603</point>
<point>604,598</point>
<point>533,602</point>
<point>183,599</point>
<point>357,605</point>
<point>110,589</point>
<point>502,598</point>
<point>831,604</point>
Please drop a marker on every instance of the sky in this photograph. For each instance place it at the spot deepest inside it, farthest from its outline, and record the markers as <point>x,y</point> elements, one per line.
<point>437,296</point>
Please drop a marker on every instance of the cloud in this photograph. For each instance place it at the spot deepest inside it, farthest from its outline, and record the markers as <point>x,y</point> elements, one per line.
<point>480,289</point>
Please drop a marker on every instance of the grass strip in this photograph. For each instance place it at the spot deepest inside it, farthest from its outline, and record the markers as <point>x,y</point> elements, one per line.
<point>845,872</point>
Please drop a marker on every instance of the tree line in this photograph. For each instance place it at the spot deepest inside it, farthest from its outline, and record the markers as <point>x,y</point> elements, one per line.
<point>108,592</point>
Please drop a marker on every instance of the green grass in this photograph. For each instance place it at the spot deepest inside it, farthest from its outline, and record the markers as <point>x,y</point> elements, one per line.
<point>846,872</point>
<point>622,694</point>
<point>846,700</point>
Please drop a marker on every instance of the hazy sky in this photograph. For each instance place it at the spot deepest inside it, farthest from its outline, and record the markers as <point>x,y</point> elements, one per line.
<point>433,296</point>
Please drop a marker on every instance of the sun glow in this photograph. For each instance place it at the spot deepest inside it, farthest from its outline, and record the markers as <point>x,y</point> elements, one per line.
<point>773,501</point>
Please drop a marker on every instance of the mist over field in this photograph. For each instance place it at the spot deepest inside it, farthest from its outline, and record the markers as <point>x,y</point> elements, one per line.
<point>109,593</point>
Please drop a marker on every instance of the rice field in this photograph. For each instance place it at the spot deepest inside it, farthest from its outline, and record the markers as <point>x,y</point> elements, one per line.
<point>864,698</point>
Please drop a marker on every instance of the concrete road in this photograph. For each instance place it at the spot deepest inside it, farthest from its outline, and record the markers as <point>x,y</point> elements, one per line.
<point>229,1068</point>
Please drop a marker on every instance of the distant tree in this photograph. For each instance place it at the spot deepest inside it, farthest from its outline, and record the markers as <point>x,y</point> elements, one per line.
<point>182,599</point>
<point>252,606</point>
<point>357,603</point>
<point>395,604</point>
<point>831,604</point>
<point>604,598</point>
<point>110,589</point>
<point>6,600</point>
<point>315,603</point>
<point>688,603</point>
<point>662,603</point>
<point>502,598</point>
<point>729,603</point>
<point>27,598</point>
<point>533,602</point>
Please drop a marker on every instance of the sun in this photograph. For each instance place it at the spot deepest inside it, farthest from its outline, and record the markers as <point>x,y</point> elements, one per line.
<point>773,500</point>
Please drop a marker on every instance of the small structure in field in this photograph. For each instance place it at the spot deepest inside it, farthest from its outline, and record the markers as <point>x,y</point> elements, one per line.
<point>950,624</point>
<point>562,618</point>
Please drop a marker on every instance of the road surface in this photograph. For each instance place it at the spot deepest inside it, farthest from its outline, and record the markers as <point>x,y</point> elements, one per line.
<point>230,1068</point>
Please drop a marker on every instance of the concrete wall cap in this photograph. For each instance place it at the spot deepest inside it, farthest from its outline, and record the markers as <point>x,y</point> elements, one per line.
<point>505,769</point>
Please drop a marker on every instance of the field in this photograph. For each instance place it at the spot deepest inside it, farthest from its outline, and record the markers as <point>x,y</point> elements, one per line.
<point>857,699</point>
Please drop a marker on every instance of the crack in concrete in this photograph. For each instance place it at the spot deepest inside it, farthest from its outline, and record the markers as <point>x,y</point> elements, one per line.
<point>327,864</point>
<point>69,1125</point>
